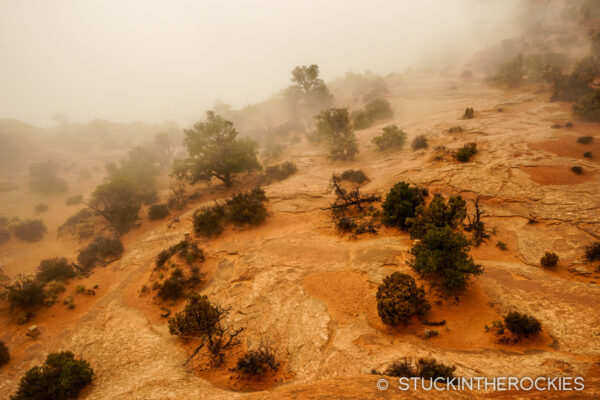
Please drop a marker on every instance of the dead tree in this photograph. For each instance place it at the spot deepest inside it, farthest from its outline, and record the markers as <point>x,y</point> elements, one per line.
<point>475,225</point>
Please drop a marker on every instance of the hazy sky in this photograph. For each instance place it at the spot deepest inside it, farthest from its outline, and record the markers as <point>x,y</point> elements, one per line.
<point>151,60</point>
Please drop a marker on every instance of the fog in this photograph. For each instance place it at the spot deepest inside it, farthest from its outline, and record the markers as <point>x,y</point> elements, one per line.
<point>157,60</point>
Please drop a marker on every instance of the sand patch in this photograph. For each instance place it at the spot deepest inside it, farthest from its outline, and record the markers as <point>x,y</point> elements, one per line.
<point>567,146</point>
<point>557,175</point>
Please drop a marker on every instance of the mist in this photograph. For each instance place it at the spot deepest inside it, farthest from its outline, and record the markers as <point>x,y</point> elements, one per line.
<point>154,60</point>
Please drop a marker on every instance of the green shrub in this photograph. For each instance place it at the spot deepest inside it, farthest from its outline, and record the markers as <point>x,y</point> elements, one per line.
<point>41,207</point>
<point>361,120</point>
<point>379,109</point>
<point>279,172</point>
<point>427,368</point>
<point>585,139</point>
<point>74,200</point>
<point>333,128</point>
<point>469,113</point>
<point>437,214</point>
<point>391,137</point>
<point>592,252</point>
<point>257,362</point>
<point>419,142</point>
<point>577,169</point>
<point>61,377</point>
<point>465,153</point>
<point>118,201</point>
<point>158,211</point>
<point>549,259</point>
<point>4,354</point>
<point>522,325</point>
<point>442,256</point>
<point>101,249</point>
<point>55,269</point>
<point>208,221</point>
<point>247,208</point>
<point>400,204</point>
<point>31,230</point>
<point>26,293</point>
<point>172,288</point>
<point>399,298</point>
<point>354,176</point>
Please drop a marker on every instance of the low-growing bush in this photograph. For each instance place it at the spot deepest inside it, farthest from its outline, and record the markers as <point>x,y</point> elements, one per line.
<point>74,200</point>
<point>208,221</point>
<point>522,325</point>
<point>41,207</point>
<point>465,153</point>
<point>187,250</point>
<point>31,230</point>
<point>437,214</point>
<point>427,368</point>
<point>391,137</point>
<point>61,377</point>
<point>577,169</point>
<point>585,139</point>
<point>379,109</point>
<point>400,204</point>
<point>549,259</point>
<point>592,252</point>
<point>279,172</point>
<point>419,142</point>
<point>26,293</point>
<point>257,362</point>
<point>361,120</point>
<point>55,269</point>
<point>399,298</point>
<point>354,176</point>
<point>247,208</point>
<point>442,256</point>
<point>172,288</point>
<point>4,354</point>
<point>588,106</point>
<point>158,211</point>
<point>469,113</point>
<point>501,245</point>
<point>101,249</point>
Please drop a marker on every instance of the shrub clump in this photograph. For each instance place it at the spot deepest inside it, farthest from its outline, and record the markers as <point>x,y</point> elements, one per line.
<point>442,256</point>
<point>44,178</point>
<point>587,154</point>
<point>187,250</point>
<point>158,211</point>
<point>588,106</point>
<point>585,139</point>
<point>41,207</point>
<point>399,298</point>
<point>208,221</point>
<point>55,269</point>
<point>61,377</point>
<point>4,354</point>
<point>522,325</point>
<point>437,214</point>
<point>549,259</point>
<point>247,208</point>
<point>74,200</point>
<point>427,368</point>
<point>354,176</point>
<point>466,152</point>
<point>391,137</point>
<point>469,113</point>
<point>257,362</point>
<point>333,128</point>
<point>174,287</point>
<point>419,142</point>
<point>279,172</point>
<point>400,204</point>
<point>101,249</point>
<point>26,293</point>
<point>31,230</point>
<point>592,252</point>
<point>577,169</point>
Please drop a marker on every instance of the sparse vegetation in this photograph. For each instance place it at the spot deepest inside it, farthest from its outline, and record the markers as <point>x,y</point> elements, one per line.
<point>592,252</point>
<point>585,139</point>
<point>333,128</point>
<point>510,73</point>
<point>419,142</point>
<point>55,269</point>
<point>41,207</point>
<point>427,368</point>
<point>202,320</point>
<point>141,168</point>
<point>308,91</point>
<point>587,154</point>
<point>31,230</point>
<point>442,257</point>
<point>26,293</point>
<point>399,298</point>
<point>44,178</point>
<point>577,169</point>
<point>173,288</point>
<point>549,259</point>
<point>588,107</point>
<point>475,225</point>
<point>74,200</point>
<point>209,221</point>
<point>247,208</point>
<point>349,211</point>
<point>501,245</point>
<point>61,377</point>
<point>101,250</point>
<point>400,204</point>
<point>572,87</point>
<point>469,113</point>
<point>522,325</point>
<point>186,250</point>
<point>466,152</point>
<point>354,175</point>
<point>119,202</point>
<point>257,362</point>
<point>279,172</point>
<point>4,235</point>
<point>216,152</point>
<point>391,137</point>
<point>158,211</point>
<point>4,354</point>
